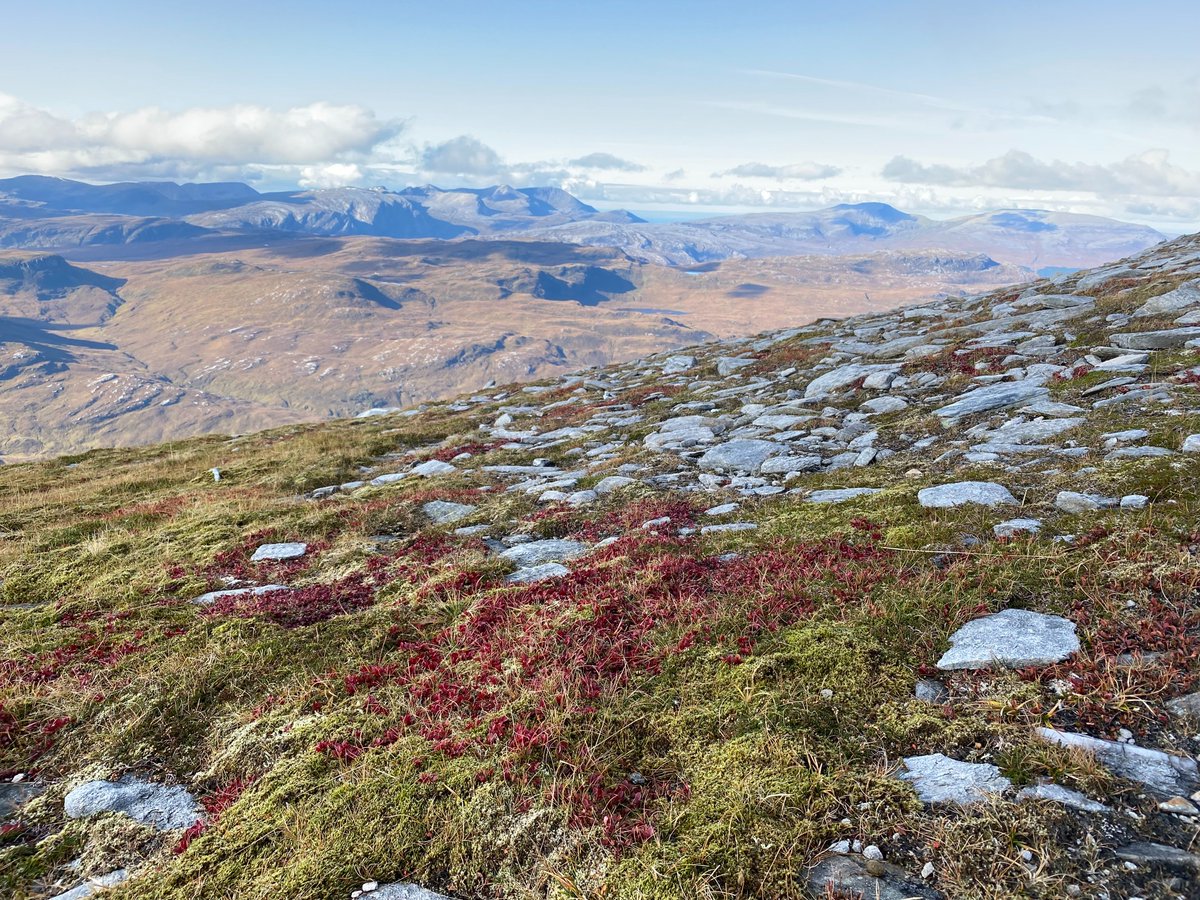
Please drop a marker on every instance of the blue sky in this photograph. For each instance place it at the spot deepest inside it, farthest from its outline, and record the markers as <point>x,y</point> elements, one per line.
<point>937,107</point>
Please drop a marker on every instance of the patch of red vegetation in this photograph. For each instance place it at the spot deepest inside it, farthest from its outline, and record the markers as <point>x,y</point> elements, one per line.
<point>94,642</point>
<point>214,805</point>
<point>522,672</point>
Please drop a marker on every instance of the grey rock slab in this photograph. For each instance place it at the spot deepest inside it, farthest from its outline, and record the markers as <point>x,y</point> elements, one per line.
<point>533,574</point>
<point>845,876</point>
<point>535,553</point>
<point>213,596</point>
<point>929,690</point>
<point>403,890</point>
<point>739,456</point>
<point>443,512</point>
<point>1017,526</point>
<point>432,467</point>
<point>92,885</point>
<point>728,526</point>
<point>1151,854</point>
<point>1056,793</point>
<point>995,396</point>
<point>1074,502</point>
<point>1164,775</point>
<point>1183,297</point>
<point>840,495</point>
<point>1013,638</point>
<point>880,405</point>
<point>1156,340</point>
<point>278,552</point>
<point>161,806</point>
<point>1138,453</point>
<point>1186,707</point>
<point>613,483</point>
<point>673,365</point>
<point>14,795</point>
<point>1191,444</point>
<point>940,779</point>
<point>844,376</point>
<point>785,465</point>
<point>960,493</point>
<point>727,365</point>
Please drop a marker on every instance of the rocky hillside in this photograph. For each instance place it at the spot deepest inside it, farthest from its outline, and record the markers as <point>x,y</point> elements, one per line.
<point>901,605</point>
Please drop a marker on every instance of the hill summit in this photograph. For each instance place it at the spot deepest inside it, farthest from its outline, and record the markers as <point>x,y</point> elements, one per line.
<point>900,605</point>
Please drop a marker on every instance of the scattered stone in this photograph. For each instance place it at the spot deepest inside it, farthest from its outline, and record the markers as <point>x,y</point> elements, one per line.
<point>444,512</point>
<point>536,553</point>
<point>406,891</point>
<point>1017,526</point>
<point>212,596</point>
<point>1191,444</point>
<point>1156,340</point>
<point>1180,806</point>
<point>1072,502</point>
<point>1056,793</point>
<point>613,483</point>
<point>929,690</point>
<point>1186,707</point>
<point>728,526</point>
<point>533,574</point>
<point>996,396</point>
<point>1134,501</point>
<point>1012,638</point>
<point>165,807</point>
<point>723,510</point>
<point>92,885</point>
<point>1151,854</point>
<point>940,779</point>
<point>278,552</point>
<point>946,496</point>
<point>739,456</point>
<point>1162,774</point>
<point>727,365</point>
<point>843,377</point>
<point>676,364</point>
<point>15,794</point>
<point>840,495</point>
<point>845,876</point>
<point>432,467</point>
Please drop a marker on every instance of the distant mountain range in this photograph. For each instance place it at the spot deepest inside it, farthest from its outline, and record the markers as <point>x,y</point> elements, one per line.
<point>38,212</point>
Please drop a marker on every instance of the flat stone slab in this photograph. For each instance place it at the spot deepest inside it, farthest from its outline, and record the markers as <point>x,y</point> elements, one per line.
<point>845,876</point>
<point>1151,854</point>
<point>739,456</point>
<point>161,806</point>
<point>996,396</point>
<point>276,552</point>
<point>536,553</point>
<point>1075,502</point>
<point>443,512</point>
<point>939,779</point>
<point>92,885</point>
<point>1155,340</point>
<point>432,467</point>
<point>213,596</point>
<point>1056,793</point>
<point>1016,526</point>
<point>403,890</point>
<point>533,574</point>
<point>1164,775</point>
<point>984,493</point>
<point>613,483</point>
<point>1186,707</point>
<point>844,376</point>
<point>1012,638</point>
<point>14,795</point>
<point>840,495</point>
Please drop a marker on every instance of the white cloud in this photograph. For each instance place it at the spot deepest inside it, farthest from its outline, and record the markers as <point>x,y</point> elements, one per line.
<point>194,141</point>
<point>463,155</point>
<point>606,161</point>
<point>1151,173</point>
<point>804,171</point>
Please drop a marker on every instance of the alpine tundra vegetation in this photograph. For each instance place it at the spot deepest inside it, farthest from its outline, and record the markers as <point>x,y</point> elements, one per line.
<point>900,605</point>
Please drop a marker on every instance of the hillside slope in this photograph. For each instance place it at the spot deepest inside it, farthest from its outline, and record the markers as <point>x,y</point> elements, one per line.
<point>906,604</point>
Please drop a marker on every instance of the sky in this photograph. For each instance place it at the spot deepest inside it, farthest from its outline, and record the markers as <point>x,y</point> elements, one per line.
<point>941,108</point>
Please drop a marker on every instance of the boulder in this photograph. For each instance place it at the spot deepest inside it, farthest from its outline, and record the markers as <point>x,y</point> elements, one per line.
<point>536,553</point>
<point>739,456</point>
<point>161,806</point>
<point>1012,638</point>
<point>444,512</point>
<point>279,552</point>
<point>940,779</point>
<point>960,493</point>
